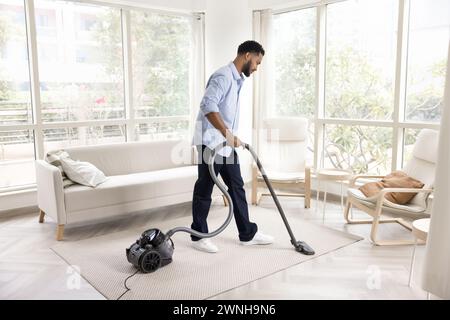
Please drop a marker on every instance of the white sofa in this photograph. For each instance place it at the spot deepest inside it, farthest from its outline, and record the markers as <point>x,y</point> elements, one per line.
<point>140,175</point>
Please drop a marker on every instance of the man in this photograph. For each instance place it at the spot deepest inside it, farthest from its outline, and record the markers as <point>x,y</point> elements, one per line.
<point>217,121</point>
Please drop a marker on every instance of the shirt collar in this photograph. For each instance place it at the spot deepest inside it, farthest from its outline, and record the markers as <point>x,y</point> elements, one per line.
<point>236,74</point>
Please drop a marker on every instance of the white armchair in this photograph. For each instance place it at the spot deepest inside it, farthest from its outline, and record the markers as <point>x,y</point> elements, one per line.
<point>283,155</point>
<point>421,167</point>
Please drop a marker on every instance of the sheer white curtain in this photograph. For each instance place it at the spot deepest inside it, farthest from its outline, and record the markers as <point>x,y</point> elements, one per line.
<point>436,275</point>
<point>197,66</point>
<point>264,83</point>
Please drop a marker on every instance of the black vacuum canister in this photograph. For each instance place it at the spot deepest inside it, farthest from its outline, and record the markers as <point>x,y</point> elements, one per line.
<point>150,251</point>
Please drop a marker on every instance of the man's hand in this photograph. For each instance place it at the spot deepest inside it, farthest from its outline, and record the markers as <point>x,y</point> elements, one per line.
<point>232,140</point>
<point>217,122</point>
<point>237,142</point>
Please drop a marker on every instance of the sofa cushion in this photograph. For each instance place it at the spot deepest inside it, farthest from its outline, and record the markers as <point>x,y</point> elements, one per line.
<point>133,157</point>
<point>131,187</point>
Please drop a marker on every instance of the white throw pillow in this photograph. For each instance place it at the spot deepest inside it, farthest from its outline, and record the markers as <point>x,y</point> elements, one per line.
<point>54,157</point>
<point>84,173</point>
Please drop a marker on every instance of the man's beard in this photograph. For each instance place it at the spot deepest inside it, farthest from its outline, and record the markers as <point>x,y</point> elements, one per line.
<point>246,69</point>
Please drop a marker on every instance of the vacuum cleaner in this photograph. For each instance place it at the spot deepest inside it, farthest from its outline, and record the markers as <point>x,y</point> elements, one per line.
<point>154,249</point>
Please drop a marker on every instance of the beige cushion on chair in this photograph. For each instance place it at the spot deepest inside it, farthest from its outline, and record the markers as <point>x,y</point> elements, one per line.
<point>396,179</point>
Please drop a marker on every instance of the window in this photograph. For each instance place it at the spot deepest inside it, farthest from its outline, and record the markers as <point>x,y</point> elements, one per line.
<point>16,158</point>
<point>86,22</point>
<point>42,20</point>
<point>429,33</point>
<point>88,54</point>
<point>82,82</point>
<point>360,59</point>
<point>295,63</point>
<point>359,82</point>
<point>16,145</point>
<point>47,53</point>
<point>362,126</point>
<point>161,50</point>
<point>76,83</point>
<point>77,136</point>
<point>162,130</point>
<point>46,21</point>
<point>15,99</point>
<point>358,148</point>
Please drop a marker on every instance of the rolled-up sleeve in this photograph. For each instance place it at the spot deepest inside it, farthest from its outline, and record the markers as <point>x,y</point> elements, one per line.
<point>215,90</point>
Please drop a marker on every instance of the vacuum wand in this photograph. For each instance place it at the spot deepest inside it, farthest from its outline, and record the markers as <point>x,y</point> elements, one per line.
<point>300,246</point>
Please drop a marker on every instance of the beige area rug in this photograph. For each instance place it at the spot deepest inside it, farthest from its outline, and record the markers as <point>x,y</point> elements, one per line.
<point>194,274</point>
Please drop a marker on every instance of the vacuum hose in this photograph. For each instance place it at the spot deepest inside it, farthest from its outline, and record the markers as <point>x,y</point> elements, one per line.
<point>222,187</point>
<point>154,249</point>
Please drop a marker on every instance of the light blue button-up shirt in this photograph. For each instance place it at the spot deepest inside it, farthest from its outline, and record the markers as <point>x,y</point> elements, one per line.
<point>221,95</point>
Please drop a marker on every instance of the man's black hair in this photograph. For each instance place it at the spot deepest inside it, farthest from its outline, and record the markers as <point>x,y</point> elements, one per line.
<point>250,46</point>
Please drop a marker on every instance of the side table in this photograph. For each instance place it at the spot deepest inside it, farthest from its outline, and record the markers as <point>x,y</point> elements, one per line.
<point>327,175</point>
<point>419,230</point>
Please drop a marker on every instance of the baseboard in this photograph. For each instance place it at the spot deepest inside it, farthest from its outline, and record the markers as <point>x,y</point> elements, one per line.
<point>19,211</point>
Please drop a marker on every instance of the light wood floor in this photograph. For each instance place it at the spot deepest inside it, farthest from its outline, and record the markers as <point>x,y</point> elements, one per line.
<point>30,270</point>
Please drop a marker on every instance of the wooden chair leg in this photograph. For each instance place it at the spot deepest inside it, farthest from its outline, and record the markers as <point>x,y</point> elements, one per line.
<point>347,210</point>
<point>41,216</point>
<point>258,198</point>
<point>59,232</point>
<point>374,229</point>
<point>254,185</point>
<point>307,188</point>
<point>307,201</point>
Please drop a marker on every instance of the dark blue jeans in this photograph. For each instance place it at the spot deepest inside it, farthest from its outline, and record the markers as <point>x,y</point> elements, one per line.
<point>230,171</point>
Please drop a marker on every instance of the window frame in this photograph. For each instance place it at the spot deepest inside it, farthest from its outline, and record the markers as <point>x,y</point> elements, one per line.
<point>37,126</point>
<point>398,124</point>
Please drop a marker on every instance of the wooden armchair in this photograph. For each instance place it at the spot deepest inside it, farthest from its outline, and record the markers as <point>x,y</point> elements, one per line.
<point>422,167</point>
<point>282,154</point>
